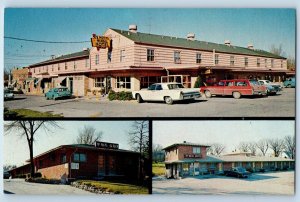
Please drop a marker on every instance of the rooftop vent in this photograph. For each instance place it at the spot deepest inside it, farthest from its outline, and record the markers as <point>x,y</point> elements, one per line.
<point>53,57</point>
<point>133,28</point>
<point>250,46</point>
<point>190,36</point>
<point>227,42</point>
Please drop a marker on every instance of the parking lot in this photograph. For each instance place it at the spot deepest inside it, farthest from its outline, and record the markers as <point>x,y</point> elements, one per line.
<point>276,183</point>
<point>281,105</point>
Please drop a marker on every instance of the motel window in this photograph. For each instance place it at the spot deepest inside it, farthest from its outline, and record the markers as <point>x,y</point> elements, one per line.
<point>198,58</point>
<point>266,63</point>
<point>150,54</point>
<point>281,64</point>
<point>123,82</point>
<point>148,80</point>
<point>87,62</point>
<point>109,56</point>
<point>97,59</point>
<point>258,62</point>
<point>64,158</point>
<point>79,157</point>
<point>177,57</point>
<point>47,68</point>
<point>58,66</point>
<point>196,150</point>
<point>40,163</point>
<point>99,82</point>
<point>246,62</point>
<point>272,63</point>
<point>216,59</point>
<point>40,69</point>
<point>52,157</point>
<point>74,65</point>
<point>52,68</point>
<point>33,70</point>
<point>122,55</point>
<point>66,66</point>
<point>231,60</point>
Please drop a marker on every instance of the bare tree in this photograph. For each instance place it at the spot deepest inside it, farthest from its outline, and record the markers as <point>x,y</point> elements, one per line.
<point>29,130</point>
<point>88,135</point>
<point>277,50</point>
<point>243,146</point>
<point>277,146</point>
<point>290,146</point>
<point>216,149</point>
<point>8,167</point>
<point>291,64</point>
<point>263,146</point>
<point>252,148</point>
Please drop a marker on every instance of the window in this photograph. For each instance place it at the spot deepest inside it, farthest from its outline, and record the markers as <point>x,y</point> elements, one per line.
<point>87,62</point>
<point>122,55</point>
<point>33,70</point>
<point>266,63</point>
<point>198,58</point>
<point>99,82</point>
<point>97,59</point>
<point>231,60</point>
<point>272,63</point>
<point>281,64</point>
<point>74,64</point>
<point>52,157</point>
<point>258,62</point>
<point>123,82</point>
<point>216,59</point>
<point>150,54</point>
<point>109,56</point>
<point>52,68</point>
<point>63,158</point>
<point>66,66</point>
<point>148,80</point>
<point>79,157</point>
<point>177,57</point>
<point>246,62</point>
<point>196,150</point>
<point>47,68</point>
<point>58,66</point>
<point>40,163</point>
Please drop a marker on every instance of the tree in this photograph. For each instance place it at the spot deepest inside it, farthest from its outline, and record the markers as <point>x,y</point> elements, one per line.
<point>88,135</point>
<point>252,148</point>
<point>277,146</point>
<point>8,167</point>
<point>157,153</point>
<point>243,146</point>
<point>29,130</point>
<point>216,149</point>
<point>290,146</point>
<point>277,50</point>
<point>291,64</point>
<point>263,146</point>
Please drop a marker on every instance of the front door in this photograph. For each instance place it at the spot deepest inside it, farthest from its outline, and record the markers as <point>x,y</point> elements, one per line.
<point>101,165</point>
<point>71,84</point>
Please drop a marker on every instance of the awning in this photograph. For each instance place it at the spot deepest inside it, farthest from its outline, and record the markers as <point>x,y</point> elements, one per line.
<point>38,81</point>
<point>60,79</point>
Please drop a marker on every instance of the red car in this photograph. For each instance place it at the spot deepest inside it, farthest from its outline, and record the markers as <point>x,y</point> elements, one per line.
<point>235,87</point>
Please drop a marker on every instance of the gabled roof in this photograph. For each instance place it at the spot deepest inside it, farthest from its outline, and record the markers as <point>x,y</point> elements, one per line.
<point>186,144</point>
<point>84,53</point>
<point>171,41</point>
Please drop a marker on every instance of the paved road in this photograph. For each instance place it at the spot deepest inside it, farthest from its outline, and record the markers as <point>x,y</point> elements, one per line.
<point>282,105</point>
<point>19,186</point>
<point>277,183</point>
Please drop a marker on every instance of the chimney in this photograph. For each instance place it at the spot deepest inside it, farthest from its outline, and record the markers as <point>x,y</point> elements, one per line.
<point>250,46</point>
<point>52,57</point>
<point>227,42</point>
<point>190,36</point>
<point>184,141</point>
<point>133,28</point>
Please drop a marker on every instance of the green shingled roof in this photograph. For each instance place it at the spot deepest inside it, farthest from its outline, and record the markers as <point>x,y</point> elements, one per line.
<point>84,53</point>
<point>199,45</point>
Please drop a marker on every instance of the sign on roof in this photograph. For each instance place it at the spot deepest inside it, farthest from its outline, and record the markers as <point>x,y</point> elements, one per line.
<point>101,42</point>
<point>107,145</point>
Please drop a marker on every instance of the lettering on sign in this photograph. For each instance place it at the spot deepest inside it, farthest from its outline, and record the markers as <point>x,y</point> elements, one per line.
<point>102,42</point>
<point>192,155</point>
<point>107,145</point>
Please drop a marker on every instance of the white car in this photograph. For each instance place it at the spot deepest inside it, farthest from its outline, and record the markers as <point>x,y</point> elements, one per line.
<point>167,92</point>
<point>8,95</point>
<point>272,88</point>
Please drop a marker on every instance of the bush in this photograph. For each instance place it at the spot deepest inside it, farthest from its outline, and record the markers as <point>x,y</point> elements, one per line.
<point>123,95</point>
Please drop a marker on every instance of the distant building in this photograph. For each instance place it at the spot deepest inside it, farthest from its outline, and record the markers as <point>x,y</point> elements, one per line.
<point>189,159</point>
<point>19,78</point>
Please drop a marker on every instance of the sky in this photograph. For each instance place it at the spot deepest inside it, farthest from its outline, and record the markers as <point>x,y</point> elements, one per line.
<point>228,133</point>
<point>261,27</point>
<point>16,150</point>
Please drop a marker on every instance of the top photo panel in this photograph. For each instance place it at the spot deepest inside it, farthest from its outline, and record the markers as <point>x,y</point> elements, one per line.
<point>209,63</point>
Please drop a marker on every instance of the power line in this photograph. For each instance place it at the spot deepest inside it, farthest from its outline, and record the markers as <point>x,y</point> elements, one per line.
<point>40,41</point>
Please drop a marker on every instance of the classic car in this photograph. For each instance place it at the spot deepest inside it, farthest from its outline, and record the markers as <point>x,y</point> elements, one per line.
<point>272,88</point>
<point>8,95</point>
<point>56,93</point>
<point>238,172</point>
<point>290,82</point>
<point>235,88</point>
<point>6,175</point>
<point>167,92</point>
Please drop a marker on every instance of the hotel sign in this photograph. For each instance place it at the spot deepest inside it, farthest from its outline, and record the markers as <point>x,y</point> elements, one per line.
<point>192,155</point>
<point>101,42</point>
<point>107,145</point>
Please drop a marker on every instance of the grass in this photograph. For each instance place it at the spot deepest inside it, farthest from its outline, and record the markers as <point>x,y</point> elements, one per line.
<point>158,169</point>
<point>27,113</point>
<point>116,187</point>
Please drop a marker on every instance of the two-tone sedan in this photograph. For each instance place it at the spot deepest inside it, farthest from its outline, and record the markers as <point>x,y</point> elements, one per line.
<point>167,92</point>
<point>56,93</point>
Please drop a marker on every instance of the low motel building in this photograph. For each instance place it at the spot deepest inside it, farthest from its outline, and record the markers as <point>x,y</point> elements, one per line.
<point>83,161</point>
<point>127,60</point>
<point>189,159</point>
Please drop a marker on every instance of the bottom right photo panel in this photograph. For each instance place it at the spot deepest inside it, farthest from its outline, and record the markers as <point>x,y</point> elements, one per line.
<point>224,157</point>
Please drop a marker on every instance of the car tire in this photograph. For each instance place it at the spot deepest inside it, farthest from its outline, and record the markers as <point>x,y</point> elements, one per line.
<point>139,98</point>
<point>207,94</point>
<point>236,95</point>
<point>168,100</point>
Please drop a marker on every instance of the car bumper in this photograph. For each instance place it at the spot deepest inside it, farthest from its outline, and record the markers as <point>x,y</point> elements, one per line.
<point>190,96</point>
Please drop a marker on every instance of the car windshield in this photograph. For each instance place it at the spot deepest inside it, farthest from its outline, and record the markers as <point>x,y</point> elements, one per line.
<point>268,81</point>
<point>61,89</point>
<point>240,169</point>
<point>175,86</point>
<point>254,83</point>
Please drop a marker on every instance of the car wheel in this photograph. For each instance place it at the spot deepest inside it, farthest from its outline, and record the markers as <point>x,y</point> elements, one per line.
<point>207,94</point>
<point>139,98</point>
<point>236,95</point>
<point>289,86</point>
<point>47,97</point>
<point>168,100</point>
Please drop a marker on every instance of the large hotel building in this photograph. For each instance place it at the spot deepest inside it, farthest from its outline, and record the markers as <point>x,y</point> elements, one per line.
<point>135,60</point>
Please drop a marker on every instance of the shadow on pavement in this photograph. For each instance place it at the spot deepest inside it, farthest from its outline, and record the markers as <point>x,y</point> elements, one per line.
<point>7,192</point>
<point>16,98</point>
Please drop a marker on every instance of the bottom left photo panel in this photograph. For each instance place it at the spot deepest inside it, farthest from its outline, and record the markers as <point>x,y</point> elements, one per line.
<point>76,157</point>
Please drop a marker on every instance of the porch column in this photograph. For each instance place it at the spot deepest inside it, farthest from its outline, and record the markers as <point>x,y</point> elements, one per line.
<point>253,166</point>
<point>281,165</point>
<point>135,83</point>
<point>289,164</point>
<point>261,165</point>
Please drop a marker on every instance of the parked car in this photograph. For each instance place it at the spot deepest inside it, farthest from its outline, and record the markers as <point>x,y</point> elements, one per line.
<point>56,93</point>
<point>272,88</point>
<point>235,88</point>
<point>167,92</point>
<point>238,172</point>
<point>290,82</point>
<point>6,175</point>
<point>8,95</point>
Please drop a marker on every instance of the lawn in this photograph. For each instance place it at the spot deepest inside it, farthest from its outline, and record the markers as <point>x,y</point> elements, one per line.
<point>158,169</point>
<point>27,113</point>
<point>116,187</point>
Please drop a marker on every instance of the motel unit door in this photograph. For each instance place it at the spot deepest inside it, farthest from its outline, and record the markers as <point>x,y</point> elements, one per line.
<point>101,165</point>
